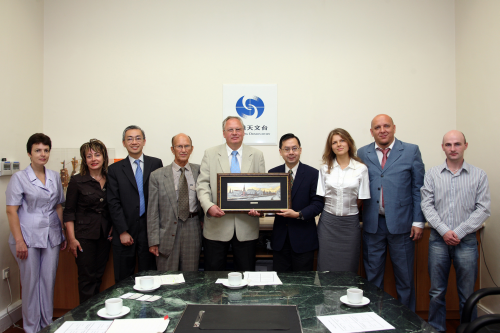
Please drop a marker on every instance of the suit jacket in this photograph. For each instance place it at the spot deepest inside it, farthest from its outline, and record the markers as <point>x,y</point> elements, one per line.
<point>216,161</point>
<point>302,233</point>
<point>401,178</point>
<point>123,195</point>
<point>163,208</point>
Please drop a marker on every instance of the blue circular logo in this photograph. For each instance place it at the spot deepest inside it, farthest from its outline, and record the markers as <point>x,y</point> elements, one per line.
<point>250,107</point>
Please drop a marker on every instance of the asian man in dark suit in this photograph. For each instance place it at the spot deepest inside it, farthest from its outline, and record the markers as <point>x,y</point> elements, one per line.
<point>127,200</point>
<point>294,237</point>
<point>392,218</point>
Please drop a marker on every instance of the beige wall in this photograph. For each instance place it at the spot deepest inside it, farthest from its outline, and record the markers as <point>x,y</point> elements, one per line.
<point>478,114</point>
<point>21,61</point>
<point>162,64</point>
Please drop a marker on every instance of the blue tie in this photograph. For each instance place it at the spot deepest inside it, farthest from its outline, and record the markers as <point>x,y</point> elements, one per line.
<point>235,166</point>
<point>139,181</point>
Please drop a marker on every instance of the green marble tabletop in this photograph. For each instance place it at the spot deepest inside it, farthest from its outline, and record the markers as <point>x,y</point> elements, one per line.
<point>315,294</point>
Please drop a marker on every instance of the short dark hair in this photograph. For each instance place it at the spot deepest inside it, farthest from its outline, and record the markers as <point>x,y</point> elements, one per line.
<point>288,136</point>
<point>131,127</point>
<point>38,138</point>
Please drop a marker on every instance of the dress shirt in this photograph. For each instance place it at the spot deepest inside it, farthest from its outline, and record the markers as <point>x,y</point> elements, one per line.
<point>342,188</point>
<point>134,166</point>
<point>294,170</point>
<point>193,205</point>
<point>458,202</point>
<point>381,209</point>
<point>230,156</point>
<point>86,206</point>
<point>40,225</point>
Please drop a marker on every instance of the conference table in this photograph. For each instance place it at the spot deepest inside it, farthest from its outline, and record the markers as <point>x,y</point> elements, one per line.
<point>314,293</point>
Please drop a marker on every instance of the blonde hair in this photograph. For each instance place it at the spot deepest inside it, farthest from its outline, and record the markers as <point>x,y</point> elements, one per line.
<point>329,156</point>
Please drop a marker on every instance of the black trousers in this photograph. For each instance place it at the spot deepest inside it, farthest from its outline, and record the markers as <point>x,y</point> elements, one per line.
<point>287,260</point>
<point>91,264</point>
<point>215,253</point>
<point>124,256</point>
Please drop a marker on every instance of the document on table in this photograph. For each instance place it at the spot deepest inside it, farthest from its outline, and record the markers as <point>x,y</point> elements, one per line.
<point>143,325</point>
<point>165,279</point>
<point>356,322</point>
<point>84,327</point>
<point>262,278</point>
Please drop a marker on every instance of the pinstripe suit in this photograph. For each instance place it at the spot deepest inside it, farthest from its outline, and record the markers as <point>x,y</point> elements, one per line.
<point>179,243</point>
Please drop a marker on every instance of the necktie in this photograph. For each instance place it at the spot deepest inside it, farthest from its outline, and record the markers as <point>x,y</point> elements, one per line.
<point>183,197</point>
<point>140,187</point>
<point>291,176</point>
<point>382,164</point>
<point>235,166</point>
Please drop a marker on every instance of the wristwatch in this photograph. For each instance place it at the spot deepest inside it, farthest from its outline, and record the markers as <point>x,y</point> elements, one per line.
<point>301,217</point>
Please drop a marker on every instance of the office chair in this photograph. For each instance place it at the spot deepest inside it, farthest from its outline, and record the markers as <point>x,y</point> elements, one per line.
<point>466,325</point>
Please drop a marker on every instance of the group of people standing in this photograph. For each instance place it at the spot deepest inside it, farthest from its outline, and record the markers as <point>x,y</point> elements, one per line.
<point>158,214</point>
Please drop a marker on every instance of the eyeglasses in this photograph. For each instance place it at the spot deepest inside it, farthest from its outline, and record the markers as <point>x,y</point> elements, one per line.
<point>294,149</point>
<point>232,130</point>
<point>132,139</point>
<point>179,147</point>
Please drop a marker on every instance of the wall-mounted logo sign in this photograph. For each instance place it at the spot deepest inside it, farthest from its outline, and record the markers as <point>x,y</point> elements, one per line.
<point>250,107</point>
<point>257,105</point>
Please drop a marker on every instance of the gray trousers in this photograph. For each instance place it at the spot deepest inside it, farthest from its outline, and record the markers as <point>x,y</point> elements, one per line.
<point>185,254</point>
<point>38,276</point>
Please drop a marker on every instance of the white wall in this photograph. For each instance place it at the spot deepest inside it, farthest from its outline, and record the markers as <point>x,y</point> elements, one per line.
<point>478,113</point>
<point>161,65</point>
<point>21,61</point>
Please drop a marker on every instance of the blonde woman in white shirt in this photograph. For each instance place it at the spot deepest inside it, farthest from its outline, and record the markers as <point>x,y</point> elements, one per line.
<point>343,182</point>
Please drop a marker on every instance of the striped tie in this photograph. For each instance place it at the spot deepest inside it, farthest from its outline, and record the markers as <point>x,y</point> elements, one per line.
<point>140,187</point>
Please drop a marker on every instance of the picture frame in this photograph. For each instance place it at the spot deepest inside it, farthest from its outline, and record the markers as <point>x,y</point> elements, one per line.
<point>264,192</point>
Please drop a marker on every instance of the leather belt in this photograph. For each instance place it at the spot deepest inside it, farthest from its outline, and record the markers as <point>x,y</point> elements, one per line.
<point>192,214</point>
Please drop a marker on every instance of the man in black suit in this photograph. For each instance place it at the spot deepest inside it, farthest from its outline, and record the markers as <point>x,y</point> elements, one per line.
<point>294,236</point>
<point>127,197</point>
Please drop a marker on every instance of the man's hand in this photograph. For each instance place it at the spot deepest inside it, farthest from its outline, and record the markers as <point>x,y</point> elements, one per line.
<point>289,213</point>
<point>126,239</point>
<point>215,211</point>
<point>253,212</point>
<point>416,233</point>
<point>154,250</point>
<point>451,238</point>
<point>73,246</point>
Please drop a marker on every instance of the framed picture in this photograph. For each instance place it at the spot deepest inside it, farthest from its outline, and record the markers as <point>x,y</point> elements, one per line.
<point>265,192</point>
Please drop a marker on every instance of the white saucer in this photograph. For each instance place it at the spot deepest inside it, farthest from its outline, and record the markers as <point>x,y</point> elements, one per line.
<point>102,313</point>
<point>364,301</point>
<point>139,288</point>
<point>243,283</point>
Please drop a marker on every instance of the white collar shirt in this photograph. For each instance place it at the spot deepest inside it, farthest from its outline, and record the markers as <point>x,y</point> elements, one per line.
<point>176,172</point>
<point>342,188</point>
<point>294,170</point>
<point>238,156</point>
<point>134,165</point>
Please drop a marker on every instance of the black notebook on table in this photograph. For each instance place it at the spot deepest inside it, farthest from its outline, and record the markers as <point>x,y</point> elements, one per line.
<point>240,319</point>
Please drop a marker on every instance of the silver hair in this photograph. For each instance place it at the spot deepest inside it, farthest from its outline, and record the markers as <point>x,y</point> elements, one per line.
<point>232,117</point>
<point>131,127</point>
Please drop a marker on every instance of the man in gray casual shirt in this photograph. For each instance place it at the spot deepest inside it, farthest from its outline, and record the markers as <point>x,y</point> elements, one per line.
<point>456,202</point>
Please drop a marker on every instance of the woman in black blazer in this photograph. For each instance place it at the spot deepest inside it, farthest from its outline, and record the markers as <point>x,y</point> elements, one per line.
<point>87,218</point>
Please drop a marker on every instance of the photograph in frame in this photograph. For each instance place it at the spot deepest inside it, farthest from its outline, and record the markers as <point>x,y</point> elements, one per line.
<point>265,192</point>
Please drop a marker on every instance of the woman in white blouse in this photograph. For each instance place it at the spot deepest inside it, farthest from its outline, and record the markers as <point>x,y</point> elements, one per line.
<point>343,182</point>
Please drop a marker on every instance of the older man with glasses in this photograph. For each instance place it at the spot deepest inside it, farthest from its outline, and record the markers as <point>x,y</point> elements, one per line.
<point>220,230</point>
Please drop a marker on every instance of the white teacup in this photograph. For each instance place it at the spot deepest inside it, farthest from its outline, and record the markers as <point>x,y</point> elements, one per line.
<point>113,306</point>
<point>146,282</point>
<point>354,295</point>
<point>234,278</point>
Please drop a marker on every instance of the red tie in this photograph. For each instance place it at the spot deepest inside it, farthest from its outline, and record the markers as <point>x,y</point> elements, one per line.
<point>384,159</point>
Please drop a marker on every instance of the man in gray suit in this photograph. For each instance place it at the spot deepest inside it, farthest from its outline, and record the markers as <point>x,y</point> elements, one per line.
<point>174,212</point>
<point>220,230</point>
<point>392,218</point>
